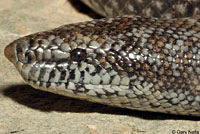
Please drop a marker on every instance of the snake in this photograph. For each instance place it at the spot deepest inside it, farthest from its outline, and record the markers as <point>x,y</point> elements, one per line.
<point>135,61</point>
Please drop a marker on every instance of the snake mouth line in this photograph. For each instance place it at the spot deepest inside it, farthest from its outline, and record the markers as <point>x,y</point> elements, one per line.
<point>77,90</point>
<point>73,85</point>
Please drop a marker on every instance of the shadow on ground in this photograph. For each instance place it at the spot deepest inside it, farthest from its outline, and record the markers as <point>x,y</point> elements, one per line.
<point>45,101</point>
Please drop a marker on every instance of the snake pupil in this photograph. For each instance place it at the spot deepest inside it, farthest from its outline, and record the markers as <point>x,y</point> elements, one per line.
<point>78,54</point>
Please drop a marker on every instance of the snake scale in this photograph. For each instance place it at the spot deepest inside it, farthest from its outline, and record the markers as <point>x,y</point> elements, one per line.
<point>134,62</point>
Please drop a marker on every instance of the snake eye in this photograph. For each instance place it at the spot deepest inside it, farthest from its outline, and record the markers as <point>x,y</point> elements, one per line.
<point>78,54</point>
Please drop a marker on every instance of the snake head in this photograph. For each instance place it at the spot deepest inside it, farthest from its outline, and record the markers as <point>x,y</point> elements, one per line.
<point>72,56</point>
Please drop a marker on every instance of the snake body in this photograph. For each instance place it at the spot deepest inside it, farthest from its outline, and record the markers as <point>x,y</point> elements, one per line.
<point>134,62</point>
<point>152,8</point>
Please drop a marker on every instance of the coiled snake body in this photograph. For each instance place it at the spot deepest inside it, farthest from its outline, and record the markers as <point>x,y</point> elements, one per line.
<point>133,62</point>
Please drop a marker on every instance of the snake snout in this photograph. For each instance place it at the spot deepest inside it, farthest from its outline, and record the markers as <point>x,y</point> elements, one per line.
<point>16,51</point>
<point>9,52</point>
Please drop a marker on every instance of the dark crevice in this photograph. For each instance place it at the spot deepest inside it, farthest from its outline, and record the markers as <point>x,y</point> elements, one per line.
<point>82,8</point>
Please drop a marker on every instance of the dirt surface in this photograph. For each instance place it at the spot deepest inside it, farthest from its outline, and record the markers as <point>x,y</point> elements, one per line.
<point>24,110</point>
